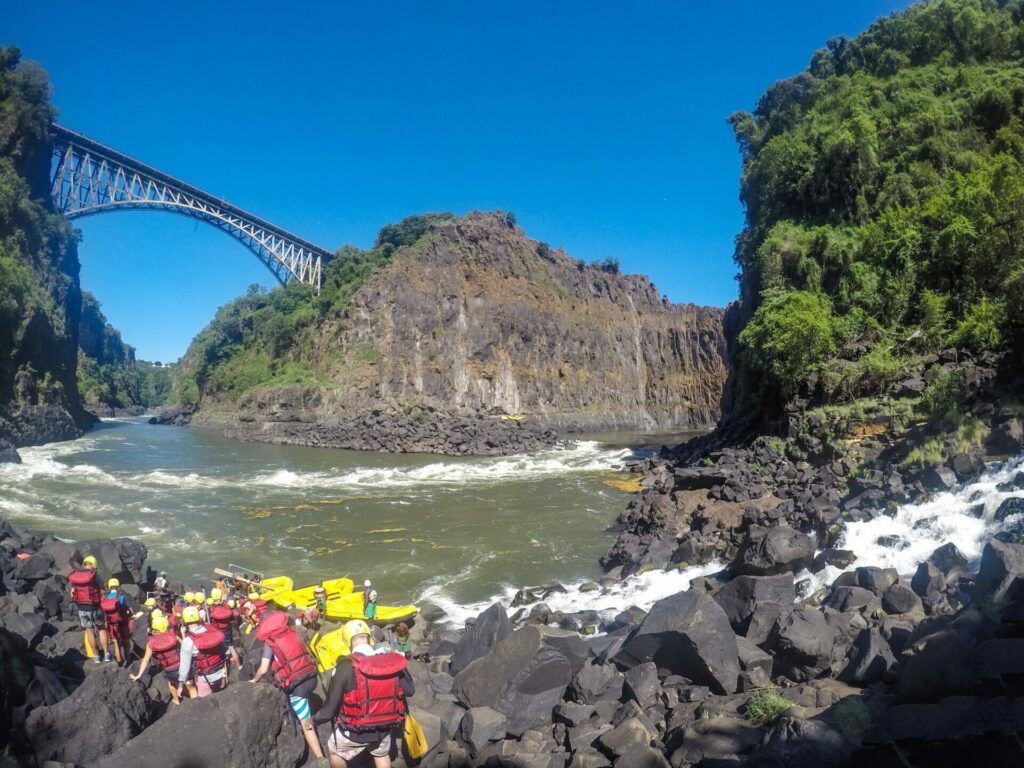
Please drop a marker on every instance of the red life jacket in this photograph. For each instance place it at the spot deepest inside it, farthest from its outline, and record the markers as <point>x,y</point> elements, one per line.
<point>166,650</point>
<point>116,613</point>
<point>85,588</point>
<point>292,663</point>
<point>259,608</point>
<point>210,645</point>
<point>377,702</point>
<point>221,617</point>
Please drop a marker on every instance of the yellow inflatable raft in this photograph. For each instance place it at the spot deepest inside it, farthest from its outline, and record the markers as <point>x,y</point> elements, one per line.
<point>342,603</point>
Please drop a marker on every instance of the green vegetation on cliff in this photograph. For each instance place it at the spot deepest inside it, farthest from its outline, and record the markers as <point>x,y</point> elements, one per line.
<point>39,294</point>
<point>884,190</point>
<point>108,373</point>
<point>264,337</point>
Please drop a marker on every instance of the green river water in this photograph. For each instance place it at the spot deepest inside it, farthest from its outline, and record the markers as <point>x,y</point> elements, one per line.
<point>457,531</point>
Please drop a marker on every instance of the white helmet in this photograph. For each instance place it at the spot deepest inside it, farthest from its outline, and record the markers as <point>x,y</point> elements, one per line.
<point>366,583</point>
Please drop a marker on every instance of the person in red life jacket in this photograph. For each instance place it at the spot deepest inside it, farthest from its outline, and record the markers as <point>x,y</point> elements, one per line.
<point>223,618</point>
<point>86,594</point>
<point>118,614</point>
<point>294,671</point>
<point>366,700</point>
<point>204,654</point>
<point>164,646</point>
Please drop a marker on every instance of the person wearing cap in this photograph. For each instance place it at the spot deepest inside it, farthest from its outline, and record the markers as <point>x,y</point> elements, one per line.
<point>164,645</point>
<point>86,594</point>
<point>367,586</point>
<point>365,675</point>
<point>204,655</point>
<point>118,613</point>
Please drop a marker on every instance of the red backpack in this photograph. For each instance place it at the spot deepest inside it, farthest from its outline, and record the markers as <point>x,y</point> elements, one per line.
<point>210,645</point>
<point>116,613</point>
<point>292,663</point>
<point>221,617</point>
<point>85,588</point>
<point>377,701</point>
<point>166,651</point>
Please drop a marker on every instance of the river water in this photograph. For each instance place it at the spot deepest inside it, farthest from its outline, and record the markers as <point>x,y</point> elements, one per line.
<point>456,531</point>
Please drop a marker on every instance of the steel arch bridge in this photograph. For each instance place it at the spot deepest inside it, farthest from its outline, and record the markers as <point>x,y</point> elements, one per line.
<point>90,178</point>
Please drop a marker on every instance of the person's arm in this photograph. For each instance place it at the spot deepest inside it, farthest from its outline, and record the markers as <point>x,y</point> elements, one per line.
<point>342,682</point>
<point>268,656</point>
<point>146,657</point>
<point>406,683</point>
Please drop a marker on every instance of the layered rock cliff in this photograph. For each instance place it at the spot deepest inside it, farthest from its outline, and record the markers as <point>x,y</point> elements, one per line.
<point>473,317</point>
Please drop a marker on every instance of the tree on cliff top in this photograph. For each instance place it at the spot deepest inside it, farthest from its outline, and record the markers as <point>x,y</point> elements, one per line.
<point>888,181</point>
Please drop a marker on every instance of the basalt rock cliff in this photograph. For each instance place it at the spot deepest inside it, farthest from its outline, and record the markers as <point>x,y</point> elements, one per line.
<point>474,319</point>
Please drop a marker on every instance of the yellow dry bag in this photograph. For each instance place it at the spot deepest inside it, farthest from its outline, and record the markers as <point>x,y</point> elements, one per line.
<point>415,740</point>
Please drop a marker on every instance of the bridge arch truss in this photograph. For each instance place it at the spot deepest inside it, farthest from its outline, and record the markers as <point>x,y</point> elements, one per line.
<point>90,178</point>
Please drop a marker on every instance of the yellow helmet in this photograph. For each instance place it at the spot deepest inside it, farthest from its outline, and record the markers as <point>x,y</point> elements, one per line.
<point>254,595</point>
<point>189,615</point>
<point>89,562</point>
<point>150,602</point>
<point>158,623</point>
<point>353,629</point>
<point>156,613</point>
<point>190,597</point>
<point>210,600</point>
<point>216,594</point>
<point>113,584</point>
<point>231,602</point>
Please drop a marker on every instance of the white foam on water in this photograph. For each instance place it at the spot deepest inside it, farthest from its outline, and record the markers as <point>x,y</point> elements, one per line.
<point>190,480</point>
<point>575,458</point>
<point>42,461</point>
<point>642,591</point>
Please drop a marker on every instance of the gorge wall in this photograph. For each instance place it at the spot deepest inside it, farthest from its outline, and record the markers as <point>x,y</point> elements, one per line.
<point>473,317</point>
<point>40,298</point>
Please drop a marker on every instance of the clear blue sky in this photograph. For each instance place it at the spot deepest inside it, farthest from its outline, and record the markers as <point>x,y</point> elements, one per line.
<point>601,124</point>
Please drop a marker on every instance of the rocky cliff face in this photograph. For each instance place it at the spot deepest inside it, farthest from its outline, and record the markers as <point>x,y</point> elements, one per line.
<point>475,317</point>
<point>40,299</point>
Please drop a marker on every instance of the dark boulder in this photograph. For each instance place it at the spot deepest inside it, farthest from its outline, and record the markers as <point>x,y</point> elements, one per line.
<point>845,599</point>
<point>838,558</point>
<point>480,726</point>
<point>642,684</point>
<point>122,559</point>
<point>804,645</point>
<point>29,626</point>
<point>875,579</point>
<point>8,453</point>
<point>597,682</point>
<point>900,598</point>
<point>104,713</point>
<point>1007,437</point>
<point>938,478</point>
<point>927,580</point>
<point>774,550</point>
<point>1000,577</point>
<point>32,569</point>
<point>687,634</point>
<point>795,743</point>
<point>871,658</point>
<point>521,678</point>
<point>490,627</point>
<point>244,726</point>
<point>754,604</point>
<point>1012,506</point>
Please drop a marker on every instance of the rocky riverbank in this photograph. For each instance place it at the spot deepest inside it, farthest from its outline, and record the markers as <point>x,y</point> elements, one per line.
<point>414,429</point>
<point>738,669</point>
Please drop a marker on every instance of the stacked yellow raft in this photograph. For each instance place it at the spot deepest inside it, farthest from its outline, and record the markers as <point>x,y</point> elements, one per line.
<point>343,603</point>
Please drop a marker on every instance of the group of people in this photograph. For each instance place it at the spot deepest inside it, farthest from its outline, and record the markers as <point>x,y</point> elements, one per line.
<point>194,638</point>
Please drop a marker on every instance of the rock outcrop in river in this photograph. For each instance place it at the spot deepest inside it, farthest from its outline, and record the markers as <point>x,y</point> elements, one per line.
<point>475,319</point>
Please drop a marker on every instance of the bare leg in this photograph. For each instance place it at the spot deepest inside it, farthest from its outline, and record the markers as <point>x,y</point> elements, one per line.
<point>311,738</point>
<point>192,692</point>
<point>174,693</point>
<point>336,762</point>
<point>105,642</point>
<point>382,762</point>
